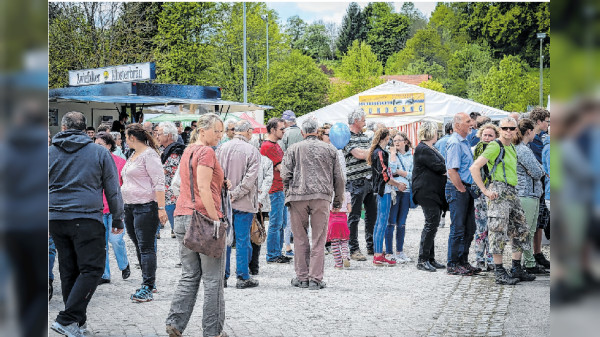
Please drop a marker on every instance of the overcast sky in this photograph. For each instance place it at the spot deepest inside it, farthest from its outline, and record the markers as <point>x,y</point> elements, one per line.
<point>331,11</point>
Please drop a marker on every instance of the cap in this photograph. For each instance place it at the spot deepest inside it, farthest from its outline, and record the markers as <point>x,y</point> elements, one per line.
<point>288,115</point>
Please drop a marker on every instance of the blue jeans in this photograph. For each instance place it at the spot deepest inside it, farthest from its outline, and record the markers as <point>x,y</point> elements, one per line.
<point>118,244</point>
<point>141,222</point>
<point>51,257</point>
<point>170,211</point>
<point>277,219</point>
<point>383,212</point>
<point>462,229</point>
<point>398,214</point>
<point>242,221</point>
<point>287,231</point>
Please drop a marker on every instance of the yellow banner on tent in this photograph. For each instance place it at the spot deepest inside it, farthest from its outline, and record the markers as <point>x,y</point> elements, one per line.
<point>393,104</point>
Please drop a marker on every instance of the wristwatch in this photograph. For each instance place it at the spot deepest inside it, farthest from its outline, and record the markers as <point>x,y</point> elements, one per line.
<point>161,208</point>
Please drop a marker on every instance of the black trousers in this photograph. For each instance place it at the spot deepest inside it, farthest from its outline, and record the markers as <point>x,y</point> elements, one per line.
<point>81,247</point>
<point>141,221</point>
<point>361,192</point>
<point>432,221</point>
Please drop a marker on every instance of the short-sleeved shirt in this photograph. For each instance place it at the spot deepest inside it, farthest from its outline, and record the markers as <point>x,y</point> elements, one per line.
<point>357,168</point>
<point>510,162</point>
<point>274,152</point>
<point>460,157</point>
<point>202,156</point>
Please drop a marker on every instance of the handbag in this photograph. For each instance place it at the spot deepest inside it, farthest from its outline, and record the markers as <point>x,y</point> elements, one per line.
<point>258,234</point>
<point>412,203</point>
<point>204,235</point>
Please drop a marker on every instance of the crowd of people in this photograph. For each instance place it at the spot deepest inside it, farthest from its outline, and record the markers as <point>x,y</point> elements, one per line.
<point>492,178</point>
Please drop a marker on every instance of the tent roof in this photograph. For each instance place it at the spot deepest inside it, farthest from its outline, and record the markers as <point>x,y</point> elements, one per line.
<point>438,106</point>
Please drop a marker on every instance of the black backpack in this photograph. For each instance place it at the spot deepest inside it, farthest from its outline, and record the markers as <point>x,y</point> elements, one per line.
<point>487,174</point>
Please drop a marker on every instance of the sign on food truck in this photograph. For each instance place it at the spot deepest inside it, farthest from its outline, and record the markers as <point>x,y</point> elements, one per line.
<point>123,73</point>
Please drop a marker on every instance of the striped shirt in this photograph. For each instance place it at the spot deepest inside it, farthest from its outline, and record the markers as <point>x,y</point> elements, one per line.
<point>357,168</point>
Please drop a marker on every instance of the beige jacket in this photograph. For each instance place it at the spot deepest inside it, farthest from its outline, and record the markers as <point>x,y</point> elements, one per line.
<point>311,170</point>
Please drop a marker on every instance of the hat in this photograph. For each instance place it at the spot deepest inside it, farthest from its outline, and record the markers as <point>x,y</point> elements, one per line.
<point>288,115</point>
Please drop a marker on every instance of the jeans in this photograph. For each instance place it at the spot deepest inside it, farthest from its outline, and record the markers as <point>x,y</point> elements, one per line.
<point>242,221</point>
<point>141,221</point>
<point>51,257</point>
<point>118,244</point>
<point>432,221</point>
<point>277,219</point>
<point>170,209</point>
<point>361,192</point>
<point>462,229</point>
<point>196,267</point>
<point>383,213</point>
<point>398,214</point>
<point>81,249</point>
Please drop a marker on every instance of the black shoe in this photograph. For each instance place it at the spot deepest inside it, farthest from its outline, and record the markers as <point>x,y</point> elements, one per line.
<point>249,283</point>
<point>225,282</point>
<point>125,273</point>
<point>502,277</point>
<point>158,235</point>
<point>425,266</point>
<point>458,270</point>
<point>475,270</point>
<point>522,275</point>
<point>253,271</point>
<point>178,265</point>
<point>436,264</point>
<point>370,252</point>
<point>537,270</point>
<point>541,260</point>
<point>103,281</point>
<point>299,284</point>
<point>280,260</point>
<point>50,289</point>
<point>314,285</point>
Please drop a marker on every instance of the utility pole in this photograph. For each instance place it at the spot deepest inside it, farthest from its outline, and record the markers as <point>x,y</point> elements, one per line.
<point>266,18</point>
<point>245,71</point>
<point>541,37</point>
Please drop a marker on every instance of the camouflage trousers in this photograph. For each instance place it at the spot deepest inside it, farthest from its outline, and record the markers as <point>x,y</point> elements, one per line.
<point>506,220</point>
<point>481,234</point>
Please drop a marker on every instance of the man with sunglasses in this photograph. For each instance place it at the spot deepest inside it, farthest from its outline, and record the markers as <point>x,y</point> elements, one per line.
<point>506,218</point>
<point>229,131</point>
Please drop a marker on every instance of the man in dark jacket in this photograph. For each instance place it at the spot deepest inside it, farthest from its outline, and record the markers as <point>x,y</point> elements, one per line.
<point>79,171</point>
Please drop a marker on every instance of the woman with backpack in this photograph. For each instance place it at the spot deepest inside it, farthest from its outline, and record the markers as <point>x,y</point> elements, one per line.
<point>487,133</point>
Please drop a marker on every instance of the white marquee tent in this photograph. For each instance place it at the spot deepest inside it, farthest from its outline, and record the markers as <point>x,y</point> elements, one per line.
<point>439,107</point>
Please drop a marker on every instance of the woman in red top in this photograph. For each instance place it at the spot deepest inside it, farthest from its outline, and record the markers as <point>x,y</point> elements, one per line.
<point>207,184</point>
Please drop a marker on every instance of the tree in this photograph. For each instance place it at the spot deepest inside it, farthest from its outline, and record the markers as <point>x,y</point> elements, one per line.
<point>296,84</point>
<point>184,51</point>
<point>134,32</point>
<point>359,70</point>
<point>315,41</point>
<point>509,86</point>
<point>353,28</point>
<point>387,31</point>
<point>416,18</point>
<point>295,28</point>
<point>426,45</point>
<point>466,64</point>
<point>433,85</point>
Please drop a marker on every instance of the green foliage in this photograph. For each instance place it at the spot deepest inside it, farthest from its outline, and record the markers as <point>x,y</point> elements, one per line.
<point>296,83</point>
<point>433,85</point>
<point>416,18</point>
<point>353,28</point>
<point>359,70</point>
<point>315,42</point>
<point>183,49</point>
<point>387,31</point>
<point>510,86</point>
<point>295,28</point>
<point>426,46</point>
<point>466,64</point>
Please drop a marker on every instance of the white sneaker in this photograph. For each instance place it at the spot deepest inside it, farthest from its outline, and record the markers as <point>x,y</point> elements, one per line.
<point>442,223</point>
<point>402,258</point>
<point>391,257</point>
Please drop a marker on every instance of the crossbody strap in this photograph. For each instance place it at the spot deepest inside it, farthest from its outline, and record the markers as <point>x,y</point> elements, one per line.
<point>192,179</point>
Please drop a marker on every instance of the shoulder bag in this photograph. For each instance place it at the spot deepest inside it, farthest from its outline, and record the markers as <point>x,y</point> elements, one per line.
<point>258,234</point>
<point>204,235</point>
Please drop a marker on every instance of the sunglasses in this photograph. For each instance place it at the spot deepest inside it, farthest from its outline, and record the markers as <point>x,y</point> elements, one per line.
<point>282,129</point>
<point>232,129</point>
<point>326,134</point>
<point>506,128</point>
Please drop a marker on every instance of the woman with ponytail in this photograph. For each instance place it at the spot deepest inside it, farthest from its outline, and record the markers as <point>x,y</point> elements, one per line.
<point>143,193</point>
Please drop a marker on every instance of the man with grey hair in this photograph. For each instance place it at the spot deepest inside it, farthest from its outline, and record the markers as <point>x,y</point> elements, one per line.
<point>240,162</point>
<point>311,175</point>
<point>460,193</point>
<point>292,133</point>
<point>229,126</point>
<point>359,184</point>
<point>170,156</point>
<point>75,214</point>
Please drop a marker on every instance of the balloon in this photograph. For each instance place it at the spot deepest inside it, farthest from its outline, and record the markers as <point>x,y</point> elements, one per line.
<point>339,135</point>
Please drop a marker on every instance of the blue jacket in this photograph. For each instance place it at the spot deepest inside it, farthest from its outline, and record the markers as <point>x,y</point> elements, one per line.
<point>546,164</point>
<point>78,171</point>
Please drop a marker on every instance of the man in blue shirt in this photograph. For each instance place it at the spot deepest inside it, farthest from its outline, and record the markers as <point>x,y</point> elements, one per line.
<point>460,197</point>
<point>440,145</point>
<point>472,136</point>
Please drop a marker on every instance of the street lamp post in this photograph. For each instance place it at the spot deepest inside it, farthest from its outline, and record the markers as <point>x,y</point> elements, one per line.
<point>541,37</point>
<point>245,72</point>
<point>266,18</point>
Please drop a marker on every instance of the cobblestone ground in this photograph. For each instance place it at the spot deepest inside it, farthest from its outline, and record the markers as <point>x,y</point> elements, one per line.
<point>361,301</point>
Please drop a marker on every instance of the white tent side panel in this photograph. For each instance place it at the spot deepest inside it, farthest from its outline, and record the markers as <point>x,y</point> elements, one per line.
<point>437,106</point>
